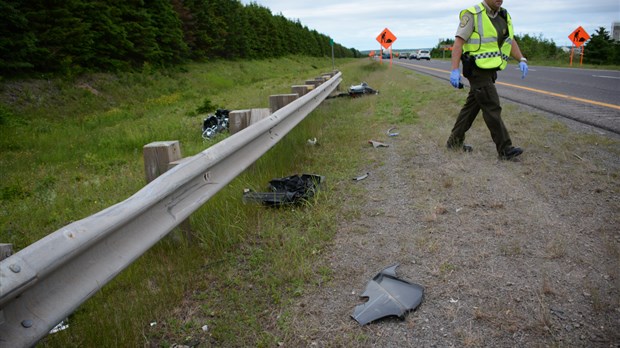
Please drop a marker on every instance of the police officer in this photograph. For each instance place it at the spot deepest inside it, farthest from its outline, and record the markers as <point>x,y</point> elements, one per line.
<point>484,41</point>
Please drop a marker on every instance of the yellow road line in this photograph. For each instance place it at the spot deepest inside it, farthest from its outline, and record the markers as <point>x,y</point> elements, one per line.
<point>588,101</point>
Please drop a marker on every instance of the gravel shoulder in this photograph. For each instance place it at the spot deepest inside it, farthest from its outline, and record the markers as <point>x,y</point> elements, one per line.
<point>511,254</point>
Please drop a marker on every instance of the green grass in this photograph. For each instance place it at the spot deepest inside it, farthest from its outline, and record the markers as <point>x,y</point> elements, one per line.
<point>69,152</point>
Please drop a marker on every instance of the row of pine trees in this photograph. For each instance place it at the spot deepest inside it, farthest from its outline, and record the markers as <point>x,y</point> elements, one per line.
<point>111,35</point>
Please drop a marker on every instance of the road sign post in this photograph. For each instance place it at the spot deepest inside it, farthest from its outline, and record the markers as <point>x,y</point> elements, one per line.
<point>578,37</point>
<point>386,39</point>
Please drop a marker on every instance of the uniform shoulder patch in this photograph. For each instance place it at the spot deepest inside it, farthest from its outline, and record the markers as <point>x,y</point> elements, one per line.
<point>464,21</point>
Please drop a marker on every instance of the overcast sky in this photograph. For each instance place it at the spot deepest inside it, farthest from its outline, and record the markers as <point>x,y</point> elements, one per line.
<point>420,24</point>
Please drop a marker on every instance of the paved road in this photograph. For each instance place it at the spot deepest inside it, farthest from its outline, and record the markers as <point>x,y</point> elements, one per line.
<point>585,95</point>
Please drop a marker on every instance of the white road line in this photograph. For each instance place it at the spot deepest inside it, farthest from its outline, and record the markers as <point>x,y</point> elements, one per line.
<point>607,77</point>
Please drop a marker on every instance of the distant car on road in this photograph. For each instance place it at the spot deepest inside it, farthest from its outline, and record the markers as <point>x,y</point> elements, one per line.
<point>412,56</point>
<point>403,56</point>
<point>423,54</point>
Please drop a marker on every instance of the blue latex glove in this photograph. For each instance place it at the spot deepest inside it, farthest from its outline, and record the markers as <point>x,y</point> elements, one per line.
<point>455,78</point>
<point>523,68</point>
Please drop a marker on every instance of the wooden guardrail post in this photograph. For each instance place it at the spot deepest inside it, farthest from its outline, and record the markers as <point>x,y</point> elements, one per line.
<point>238,120</point>
<point>6,250</point>
<point>313,82</point>
<point>278,101</point>
<point>301,90</point>
<point>159,157</point>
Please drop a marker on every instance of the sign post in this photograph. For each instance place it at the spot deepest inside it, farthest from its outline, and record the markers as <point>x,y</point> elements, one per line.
<point>578,37</point>
<point>386,39</point>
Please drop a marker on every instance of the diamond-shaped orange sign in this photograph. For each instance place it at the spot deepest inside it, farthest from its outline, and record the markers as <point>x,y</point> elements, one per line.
<point>386,38</point>
<point>579,37</point>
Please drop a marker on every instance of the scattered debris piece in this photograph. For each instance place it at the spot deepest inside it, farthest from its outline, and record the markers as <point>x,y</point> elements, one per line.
<point>356,91</point>
<point>214,124</point>
<point>390,134</point>
<point>453,300</point>
<point>293,189</point>
<point>205,328</point>
<point>361,177</point>
<point>558,313</point>
<point>377,144</point>
<point>312,141</point>
<point>63,325</point>
<point>153,323</point>
<point>388,295</point>
<point>361,89</point>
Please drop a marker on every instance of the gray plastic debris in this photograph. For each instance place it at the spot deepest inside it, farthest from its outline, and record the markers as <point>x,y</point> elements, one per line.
<point>388,295</point>
<point>361,177</point>
<point>390,133</point>
<point>377,144</point>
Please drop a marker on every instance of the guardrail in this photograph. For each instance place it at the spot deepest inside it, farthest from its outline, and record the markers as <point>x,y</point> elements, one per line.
<point>48,280</point>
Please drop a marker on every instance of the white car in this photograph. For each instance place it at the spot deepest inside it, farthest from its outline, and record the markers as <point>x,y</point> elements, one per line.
<point>423,54</point>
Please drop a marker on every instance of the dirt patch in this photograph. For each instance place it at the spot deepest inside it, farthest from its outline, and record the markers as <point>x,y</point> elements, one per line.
<point>510,253</point>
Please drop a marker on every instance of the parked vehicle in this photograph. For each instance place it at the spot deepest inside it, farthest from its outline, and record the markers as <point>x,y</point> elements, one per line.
<point>423,54</point>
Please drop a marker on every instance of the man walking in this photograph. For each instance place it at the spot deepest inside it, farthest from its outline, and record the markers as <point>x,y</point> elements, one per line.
<point>484,42</point>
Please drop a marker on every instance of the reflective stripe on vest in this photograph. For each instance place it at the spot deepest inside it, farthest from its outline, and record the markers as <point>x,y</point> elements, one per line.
<point>483,43</point>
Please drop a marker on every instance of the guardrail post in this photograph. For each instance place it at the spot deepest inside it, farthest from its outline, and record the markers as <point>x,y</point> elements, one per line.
<point>259,114</point>
<point>313,82</point>
<point>321,79</point>
<point>301,89</point>
<point>159,157</point>
<point>278,101</point>
<point>6,250</point>
<point>238,120</point>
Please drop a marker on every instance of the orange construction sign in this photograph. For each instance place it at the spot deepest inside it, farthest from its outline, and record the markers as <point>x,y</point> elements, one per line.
<point>579,37</point>
<point>386,38</point>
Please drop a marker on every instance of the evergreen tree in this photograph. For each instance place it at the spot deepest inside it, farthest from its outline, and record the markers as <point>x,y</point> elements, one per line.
<point>72,35</point>
<point>168,32</point>
<point>600,48</point>
<point>63,38</point>
<point>17,41</point>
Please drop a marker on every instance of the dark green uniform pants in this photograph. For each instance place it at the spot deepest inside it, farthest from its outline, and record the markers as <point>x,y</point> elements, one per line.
<point>482,96</point>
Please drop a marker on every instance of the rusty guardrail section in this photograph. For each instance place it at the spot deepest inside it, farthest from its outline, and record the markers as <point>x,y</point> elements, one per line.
<point>48,280</point>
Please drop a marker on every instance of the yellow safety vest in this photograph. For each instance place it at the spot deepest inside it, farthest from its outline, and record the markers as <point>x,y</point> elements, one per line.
<point>483,43</point>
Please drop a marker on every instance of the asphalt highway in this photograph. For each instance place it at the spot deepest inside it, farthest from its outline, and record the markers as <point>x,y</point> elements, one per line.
<point>587,96</point>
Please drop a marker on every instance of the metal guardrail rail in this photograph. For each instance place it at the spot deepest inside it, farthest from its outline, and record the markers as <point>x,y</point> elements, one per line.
<point>48,280</point>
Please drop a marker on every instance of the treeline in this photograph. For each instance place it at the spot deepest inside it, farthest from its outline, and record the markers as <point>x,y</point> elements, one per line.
<point>534,48</point>
<point>600,49</point>
<point>102,35</point>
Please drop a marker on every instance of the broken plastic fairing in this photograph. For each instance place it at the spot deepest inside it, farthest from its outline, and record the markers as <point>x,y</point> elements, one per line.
<point>388,296</point>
